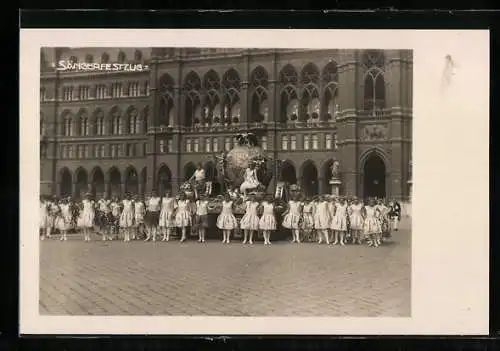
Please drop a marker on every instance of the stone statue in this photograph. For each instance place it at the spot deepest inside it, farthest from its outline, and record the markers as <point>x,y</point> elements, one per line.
<point>335,170</point>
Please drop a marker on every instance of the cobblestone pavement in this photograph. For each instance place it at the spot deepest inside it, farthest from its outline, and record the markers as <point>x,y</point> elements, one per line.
<point>284,279</point>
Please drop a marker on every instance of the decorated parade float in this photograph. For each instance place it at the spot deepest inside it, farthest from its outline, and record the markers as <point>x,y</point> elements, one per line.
<point>245,170</point>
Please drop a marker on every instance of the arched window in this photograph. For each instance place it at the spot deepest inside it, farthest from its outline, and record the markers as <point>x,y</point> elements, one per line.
<point>211,104</point>
<point>133,89</point>
<point>67,124</point>
<point>101,91</point>
<point>374,82</point>
<point>84,123</point>
<point>68,93</point>
<point>89,58</point>
<point>116,90</point>
<point>116,121</point>
<point>289,103</point>
<point>132,121</point>
<point>231,83</point>
<point>330,92</point>
<point>192,87</point>
<point>121,57</point>
<point>105,57</point>
<point>99,122</point>
<point>43,94</point>
<point>259,97</point>
<point>73,59</point>
<point>83,92</point>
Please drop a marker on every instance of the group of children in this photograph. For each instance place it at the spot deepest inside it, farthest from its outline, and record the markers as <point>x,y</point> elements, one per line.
<point>323,219</point>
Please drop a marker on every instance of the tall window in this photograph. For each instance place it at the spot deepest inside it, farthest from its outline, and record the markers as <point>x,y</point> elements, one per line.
<point>99,125</point>
<point>307,142</point>
<point>293,142</point>
<point>105,58</point>
<point>208,144</point>
<point>188,145</point>
<point>117,124</point>
<point>227,144</point>
<point>196,145</point>
<point>170,145</point>
<point>374,90</point>
<point>328,141</point>
<point>97,149</point>
<point>86,151</point>
<point>131,150</point>
<point>335,141</point>
<point>102,149</point>
<point>133,89</point>
<point>133,125</point>
<point>80,151</point>
<point>70,151</point>
<point>84,125</point>
<point>263,143</point>
<point>284,142</point>
<point>100,91</point>
<point>162,146</point>
<point>83,92</point>
<point>216,144</point>
<point>116,90</point>
<point>121,57</point>
<point>315,142</point>
<point>146,88</point>
<point>89,58</point>
<point>68,93</point>
<point>114,150</point>
<point>68,126</point>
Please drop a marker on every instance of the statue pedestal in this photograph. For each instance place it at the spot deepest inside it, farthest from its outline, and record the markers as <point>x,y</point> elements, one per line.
<point>335,186</point>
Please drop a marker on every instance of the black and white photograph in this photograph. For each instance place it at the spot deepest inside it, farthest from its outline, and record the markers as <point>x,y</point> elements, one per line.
<point>225,181</point>
<point>230,181</point>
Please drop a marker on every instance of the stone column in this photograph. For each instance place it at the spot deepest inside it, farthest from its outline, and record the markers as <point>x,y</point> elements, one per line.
<point>245,108</point>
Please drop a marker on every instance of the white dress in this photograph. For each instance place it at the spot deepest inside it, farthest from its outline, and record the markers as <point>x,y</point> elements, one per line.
<point>372,223</point>
<point>251,181</point>
<point>168,206</point>
<point>292,218</point>
<point>183,215</point>
<point>339,220</point>
<point>87,215</point>
<point>127,216</point>
<point>307,216</point>
<point>355,217</point>
<point>322,215</point>
<point>267,221</point>
<point>226,219</point>
<point>139,212</point>
<point>63,220</point>
<point>44,215</point>
<point>250,220</point>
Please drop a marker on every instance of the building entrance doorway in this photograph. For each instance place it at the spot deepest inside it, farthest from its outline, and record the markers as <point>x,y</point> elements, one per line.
<point>374,177</point>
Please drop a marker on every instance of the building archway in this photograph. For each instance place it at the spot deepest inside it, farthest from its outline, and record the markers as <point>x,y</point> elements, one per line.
<point>66,183</point>
<point>115,182</point>
<point>374,176</point>
<point>98,188</point>
<point>288,173</point>
<point>309,179</point>
<point>82,181</point>
<point>131,181</point>
<point>164,178</point>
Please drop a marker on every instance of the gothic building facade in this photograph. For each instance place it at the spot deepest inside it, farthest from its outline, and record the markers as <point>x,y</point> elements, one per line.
<point>146,127</point>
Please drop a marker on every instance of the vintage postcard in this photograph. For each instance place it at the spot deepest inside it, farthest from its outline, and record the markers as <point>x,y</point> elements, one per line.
<point>254,182</point>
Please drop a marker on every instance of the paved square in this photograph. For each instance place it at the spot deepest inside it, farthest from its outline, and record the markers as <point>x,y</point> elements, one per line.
<point>116,278</point>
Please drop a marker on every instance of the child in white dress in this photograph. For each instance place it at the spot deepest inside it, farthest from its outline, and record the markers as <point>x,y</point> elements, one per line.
<point>45,219</point>
<point>267,222</point>
<point>322,219</point>
<point>371,225</point>
<point>356,220</point>
<point>127,217</point>
<point>339,221</point>
<point>202,217</point>
<point>250,220</point>
<point>86,220</point>
<point>63,222</point>
<point>183,216</point>
<point>167,215</point>
<point>139,213</point>
<point>292,218</point>
<point>307,224</point>
<point>114,216</point>
<point>227,221</point>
